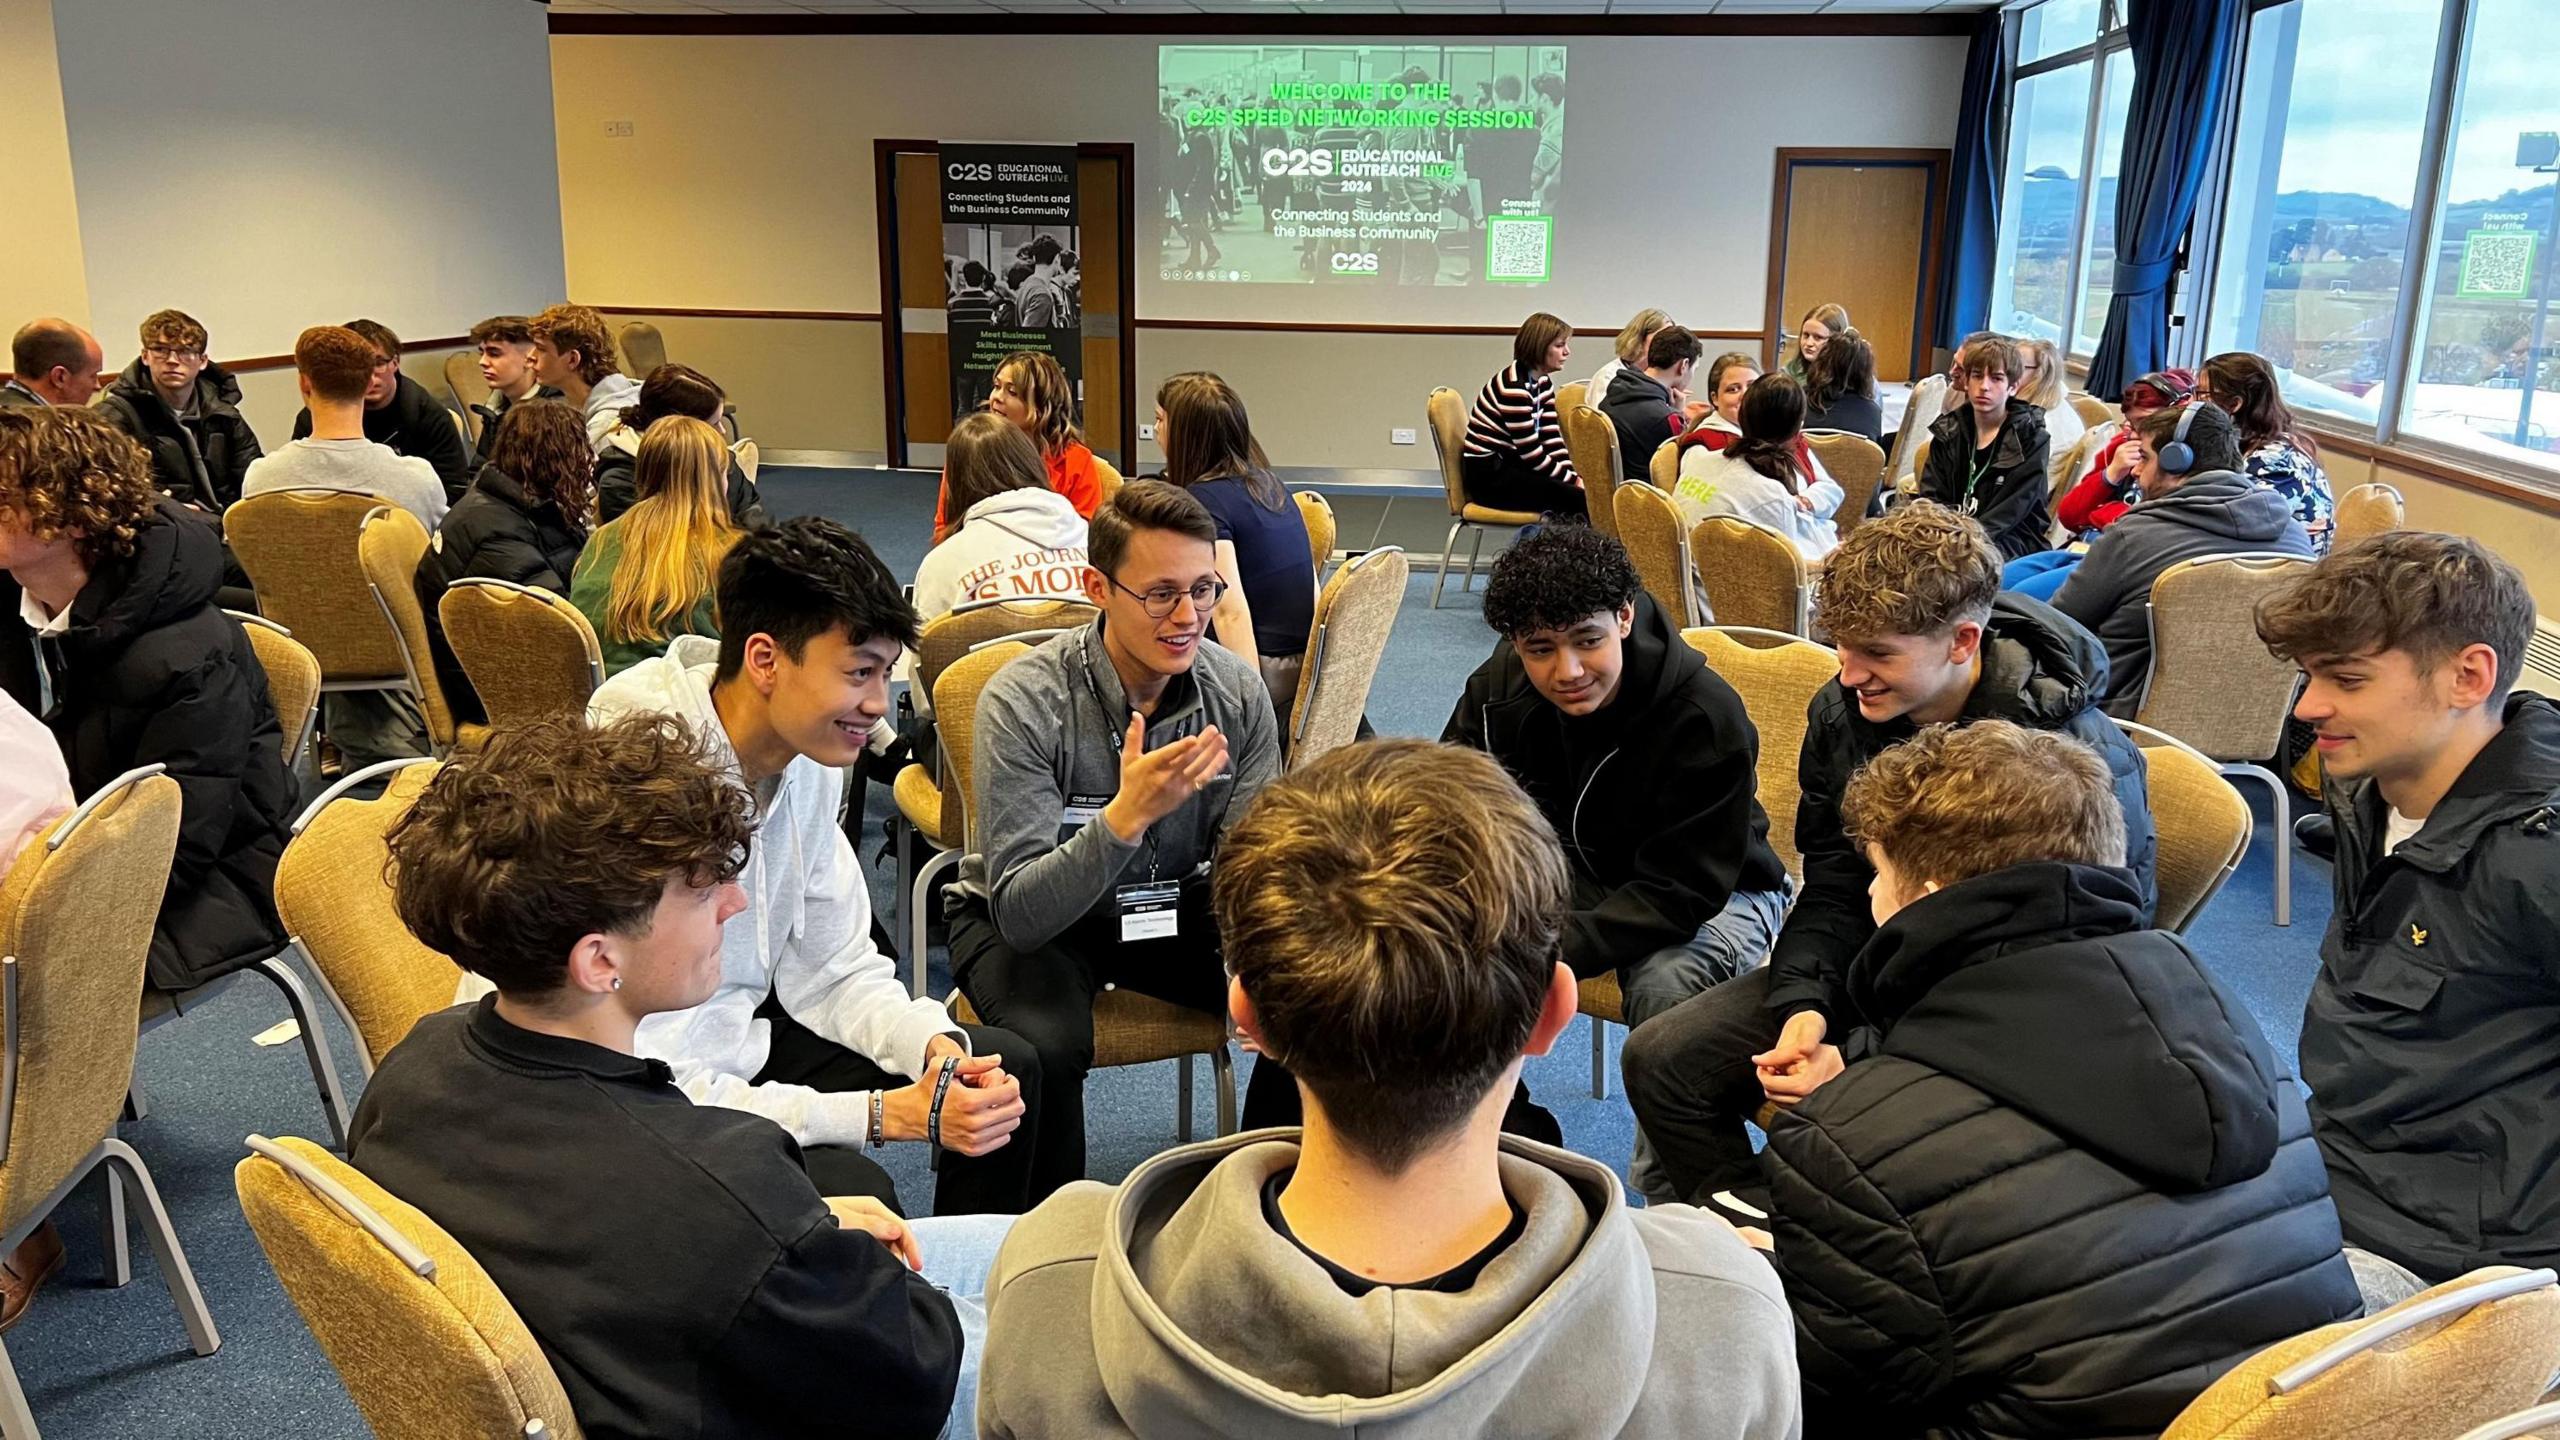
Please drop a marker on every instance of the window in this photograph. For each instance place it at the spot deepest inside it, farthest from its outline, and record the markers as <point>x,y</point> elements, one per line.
<point>2057,27</point>
<point>2098,259</point>
<point>2488,373</point>
<point>2324,176</point>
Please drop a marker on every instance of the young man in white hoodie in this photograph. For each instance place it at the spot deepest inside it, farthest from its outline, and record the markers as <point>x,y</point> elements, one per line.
<point>1398,1268</point>
<point>811,1026</point>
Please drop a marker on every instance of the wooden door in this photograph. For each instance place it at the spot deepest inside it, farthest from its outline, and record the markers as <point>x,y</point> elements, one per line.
<point>1860,229</point>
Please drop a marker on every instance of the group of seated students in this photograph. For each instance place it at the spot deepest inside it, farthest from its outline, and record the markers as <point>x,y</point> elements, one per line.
<point>2021,1145</point>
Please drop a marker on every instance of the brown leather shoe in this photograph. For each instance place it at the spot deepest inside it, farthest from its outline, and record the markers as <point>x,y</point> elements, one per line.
<point>34,1262</point>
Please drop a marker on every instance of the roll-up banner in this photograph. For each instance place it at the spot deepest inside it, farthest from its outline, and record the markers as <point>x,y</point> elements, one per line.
<point>1009,257</point>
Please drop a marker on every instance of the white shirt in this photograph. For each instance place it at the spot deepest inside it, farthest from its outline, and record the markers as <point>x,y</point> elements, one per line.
<point>2399,829</point>
<point>40,622</point>
<point>1599,386</point>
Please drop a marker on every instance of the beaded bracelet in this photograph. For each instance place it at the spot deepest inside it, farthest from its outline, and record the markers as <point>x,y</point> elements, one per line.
<point>941,1087</point>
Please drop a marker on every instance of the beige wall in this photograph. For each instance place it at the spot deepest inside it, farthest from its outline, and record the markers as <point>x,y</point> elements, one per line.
<point>43,272</point>
<point>2528,538</point>
<point>798,384</point>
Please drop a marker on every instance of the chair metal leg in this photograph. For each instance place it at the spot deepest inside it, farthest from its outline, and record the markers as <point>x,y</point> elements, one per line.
<point>174,1269</point>
<point>1222,1065</point>
<point>17,1422</point>
<point>315,1043</point>
<point>916,901</point>
<point>1475,557</point>
<point>2283,838</point>
<point>114,1236</point>
<point>137,1105</point>
<point>1599,1058</point>
<point>1182,1108</point>
<point>1448,547</point>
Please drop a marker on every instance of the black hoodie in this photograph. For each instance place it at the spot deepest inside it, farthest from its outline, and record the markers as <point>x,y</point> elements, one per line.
<point>200,459</point>
<point>2038,670</point>
<point>2070,1189</point>
<point>151,672</point>
<point>1640,407</point>
<point>414,424</point>
<point>2432,1039</point>
<point>1655,795</point>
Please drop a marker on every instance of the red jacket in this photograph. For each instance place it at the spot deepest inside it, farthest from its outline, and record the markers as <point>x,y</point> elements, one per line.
<point>2093,503</point>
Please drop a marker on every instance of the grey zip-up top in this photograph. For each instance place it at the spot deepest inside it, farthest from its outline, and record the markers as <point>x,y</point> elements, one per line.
<point>1050,727</point>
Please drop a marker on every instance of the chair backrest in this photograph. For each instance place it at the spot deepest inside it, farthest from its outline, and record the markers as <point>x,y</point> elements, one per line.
<point>2212,683</point>
<point>2465,1352</point>
<point>2093,411</point>
<point>334,901</point>
<point>1572,393</point>
<point>293,678</point>
<point>2201,819</point>
<point>388,548</point>
<point>2537,1423</point>
<point>1354,615</point>
<point>955,714</point>
<point>1664,468</point>
<point>1593,443</point>
<point>1920,457</point>
<point>1776,675</point>
<point>76,916</point>
<point>948,637</point>
<point>463,378</point>
<point>1446,411</point>
<point>643,349</point>
<point>299,547</point>
<point>529,653</point>
<point>426,1344</point>
<point>749,455</point>
<point>1858,464</point>
<point>1753,575</point>
<point>1649,526</point>
<point>1106,480</point>
<point>2368,510</point>
<point>1317,512</point>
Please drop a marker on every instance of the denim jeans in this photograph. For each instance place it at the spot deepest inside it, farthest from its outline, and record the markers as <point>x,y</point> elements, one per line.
<point>1735,941</point>
<point>959,1251</point>
<point>2039,576</point>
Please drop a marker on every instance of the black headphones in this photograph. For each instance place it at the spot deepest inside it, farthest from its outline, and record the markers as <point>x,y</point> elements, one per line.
<point>2178,457</point>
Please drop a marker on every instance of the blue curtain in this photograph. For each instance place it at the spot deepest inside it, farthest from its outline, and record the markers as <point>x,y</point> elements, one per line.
<point>2183,55</point>
<point>1973,185</point>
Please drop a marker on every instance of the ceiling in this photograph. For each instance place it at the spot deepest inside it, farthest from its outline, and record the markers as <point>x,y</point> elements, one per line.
<point>680,9</point>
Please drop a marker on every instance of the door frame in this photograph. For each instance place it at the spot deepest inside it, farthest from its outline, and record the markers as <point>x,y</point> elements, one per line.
<point>884,160</point>
<point>1933,226</point>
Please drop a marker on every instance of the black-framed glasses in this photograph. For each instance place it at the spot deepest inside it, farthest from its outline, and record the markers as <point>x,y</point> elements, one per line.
<point>1159,602</point>
<point>171,352</point>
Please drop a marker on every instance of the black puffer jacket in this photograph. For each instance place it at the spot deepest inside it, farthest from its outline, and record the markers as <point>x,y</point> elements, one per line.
<point>2432,1039</point>
<point>151,672</point>
<point>2039,670</point>
<point>2069,1190</point>
<point>617,486</point>
<point>492,533</point>
<point>200,462</point>
<point>2012,495</point>
<point>414,424</point>
<point>1655,795</point>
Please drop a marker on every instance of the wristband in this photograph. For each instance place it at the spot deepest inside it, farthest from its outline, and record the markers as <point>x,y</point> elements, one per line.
<point>879,1102</point>
<point>941,1087</point>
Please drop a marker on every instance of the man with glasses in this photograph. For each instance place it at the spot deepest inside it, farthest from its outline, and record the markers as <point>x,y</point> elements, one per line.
<point>399,412</point>
<point>1109,762</point>
<point>185,409</point>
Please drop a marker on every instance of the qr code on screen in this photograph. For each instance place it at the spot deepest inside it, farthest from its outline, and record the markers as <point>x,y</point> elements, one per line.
<point>1516,248</point>
<point>2497,263</point>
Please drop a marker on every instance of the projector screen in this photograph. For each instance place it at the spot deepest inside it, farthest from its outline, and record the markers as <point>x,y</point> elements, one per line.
<point>1404,165</point>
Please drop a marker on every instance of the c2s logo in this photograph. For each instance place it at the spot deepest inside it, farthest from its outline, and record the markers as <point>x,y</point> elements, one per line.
<point>1316,163</point>
<point>1348,263</point>
<point>980,171</point>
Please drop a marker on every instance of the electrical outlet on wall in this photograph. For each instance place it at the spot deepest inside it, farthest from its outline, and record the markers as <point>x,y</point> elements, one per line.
<point>1146,432</point>
<point>617,129</point>
<point>1400,437</point>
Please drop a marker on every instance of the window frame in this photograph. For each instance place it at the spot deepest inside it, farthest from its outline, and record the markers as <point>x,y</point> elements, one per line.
<point>2110,39</point>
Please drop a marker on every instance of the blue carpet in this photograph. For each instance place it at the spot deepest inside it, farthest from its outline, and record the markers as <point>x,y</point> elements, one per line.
<point>115,1363</point>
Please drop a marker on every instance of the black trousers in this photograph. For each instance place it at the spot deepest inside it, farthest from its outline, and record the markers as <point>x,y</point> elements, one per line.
<point>1692,1085</point>
<point>1045,995</point>
<point>1504,481</point>
<point>1006,1181</point>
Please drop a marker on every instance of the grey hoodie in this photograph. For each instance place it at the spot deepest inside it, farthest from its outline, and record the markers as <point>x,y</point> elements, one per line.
<point>1168,1306</point>
<point>1048,756</point>
<point>2217,512</point>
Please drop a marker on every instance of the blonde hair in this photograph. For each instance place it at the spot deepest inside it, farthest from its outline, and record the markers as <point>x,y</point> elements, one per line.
<point>674,535</point>
<point>1631,339</point>
<point>2048,390</point>
<point>1953,802</point>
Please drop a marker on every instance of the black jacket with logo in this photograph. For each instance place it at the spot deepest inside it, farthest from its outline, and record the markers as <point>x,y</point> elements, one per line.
<point>2070,1188</point>
<point>199,460</point>
<point>1656,795</point>
<point>414,424</point>
<point>2432,1038</point>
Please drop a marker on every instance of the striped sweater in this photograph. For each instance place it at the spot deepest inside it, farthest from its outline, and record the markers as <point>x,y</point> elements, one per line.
<point>1516,414</point>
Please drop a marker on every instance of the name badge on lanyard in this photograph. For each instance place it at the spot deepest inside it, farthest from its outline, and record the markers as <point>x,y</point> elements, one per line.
<point>1080,811</point>
<point>1150,910</point>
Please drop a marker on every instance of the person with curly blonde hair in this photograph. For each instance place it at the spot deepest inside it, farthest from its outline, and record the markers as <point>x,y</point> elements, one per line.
<point>573,354</point>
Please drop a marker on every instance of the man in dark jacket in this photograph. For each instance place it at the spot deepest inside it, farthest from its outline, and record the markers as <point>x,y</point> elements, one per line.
<point>185,409</point>
<point>678,1267</point>
<point>2070,1186</point>
<point>1989,458</point>
<point>505,345</point>
<point>1913,605</point>
<point>513,524</point>
<point>141,668</point>
<point>399,412</point>
<point>2202,507</point>
<point>1652,404</point>
<point>2427,1041</point>
<point>1642,759</point>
